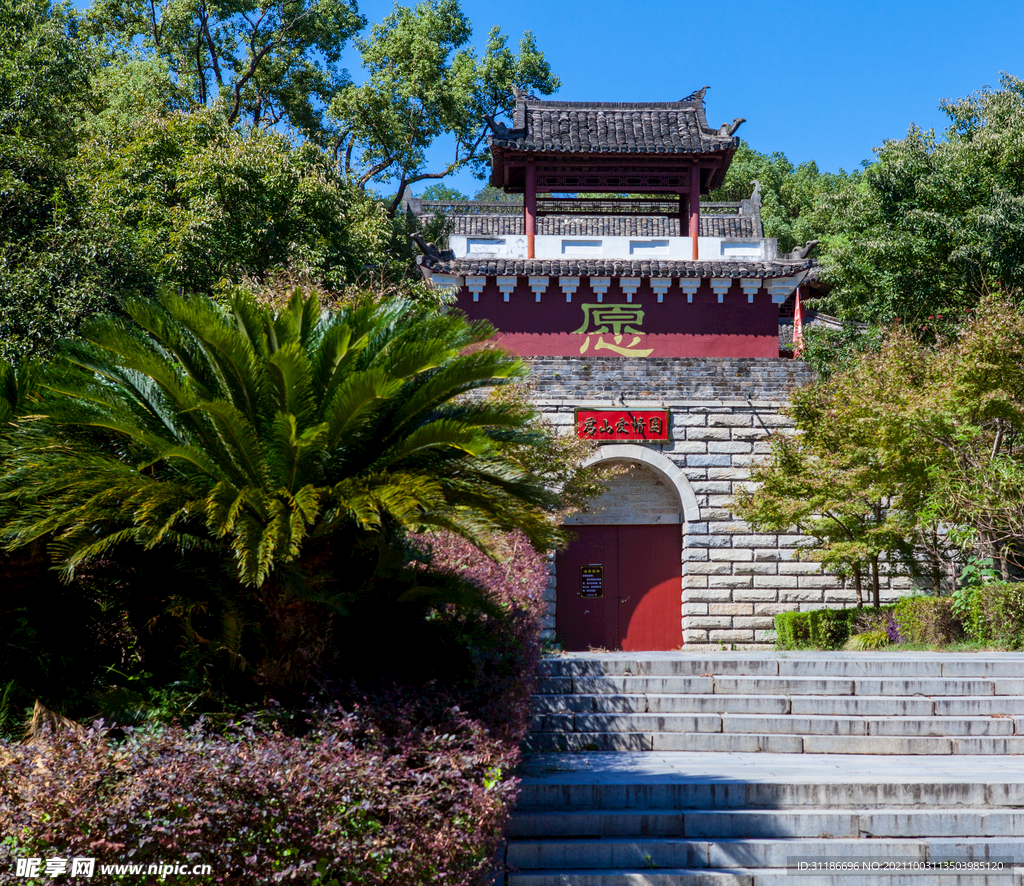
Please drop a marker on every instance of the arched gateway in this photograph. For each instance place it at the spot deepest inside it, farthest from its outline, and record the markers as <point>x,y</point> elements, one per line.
<point>619,583</point>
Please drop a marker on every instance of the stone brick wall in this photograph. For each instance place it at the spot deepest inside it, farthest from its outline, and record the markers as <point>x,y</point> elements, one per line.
<point>723,413</point>
<point>667,378</point>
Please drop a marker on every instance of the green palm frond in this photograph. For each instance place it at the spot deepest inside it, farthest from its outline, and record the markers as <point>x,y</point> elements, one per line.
<point>17,386</point>
<point>258,434</point>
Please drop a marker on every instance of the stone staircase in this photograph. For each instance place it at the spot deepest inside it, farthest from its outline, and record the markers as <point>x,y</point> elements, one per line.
<point>732,769</point>
<point>781,703</point>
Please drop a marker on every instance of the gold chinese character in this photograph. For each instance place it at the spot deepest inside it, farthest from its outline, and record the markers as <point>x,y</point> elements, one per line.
<point>656,426</point>
<point>638,425</point>
<point>630,350</point>
<point>621,427</point>
<point>589,426</point>
<point>606,428</point>
<point>615,320</point>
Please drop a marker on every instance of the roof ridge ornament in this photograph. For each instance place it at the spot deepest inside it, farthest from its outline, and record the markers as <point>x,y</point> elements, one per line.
<point>500,129</point>
<point>431,251</point>
<point>802,252</point>
<point>697,95</point>
<point>755,198</point>
<point>730,128</point>
<point>523,95</point>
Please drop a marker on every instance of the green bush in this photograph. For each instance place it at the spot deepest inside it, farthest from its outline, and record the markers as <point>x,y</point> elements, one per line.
<point>793,630</point>
<point>824,628</point>
<point>830,628</point>
<point>927,621</point>
<point>995,615</point>
<point>992,614</point>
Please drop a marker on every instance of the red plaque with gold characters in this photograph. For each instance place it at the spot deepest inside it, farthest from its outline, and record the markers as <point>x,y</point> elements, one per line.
<point>622,424</point>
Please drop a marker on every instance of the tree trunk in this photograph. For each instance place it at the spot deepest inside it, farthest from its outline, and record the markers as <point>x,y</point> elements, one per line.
<point>857,583</point>
<point>951,573</point>
<point>875,588</point>
<point>991,550</point>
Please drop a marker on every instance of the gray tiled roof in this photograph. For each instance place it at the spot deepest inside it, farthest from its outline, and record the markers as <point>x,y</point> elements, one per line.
<point>612,267</point>
<point>600,226</point>
<point>612,128</point>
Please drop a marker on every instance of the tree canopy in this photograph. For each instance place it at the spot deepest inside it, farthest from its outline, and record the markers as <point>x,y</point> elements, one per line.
<point>934,223</point>
<point>789,194</point>
<point>200,145</point>
<point>263,63</point>
<point>422,83</point>
<point>912,453</point>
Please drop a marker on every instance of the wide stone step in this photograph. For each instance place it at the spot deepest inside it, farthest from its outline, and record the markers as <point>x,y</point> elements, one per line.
<point>783,685</point>
<point>821,823</point>
<point>801,664</point>
<point>785,724</point>
<point>642,877</point>
<point>750,877</point>
<point>730,794</point>
<point>772,743</point>
<point>810,705</point>
<point>669,852</point>
<point>676,769</point>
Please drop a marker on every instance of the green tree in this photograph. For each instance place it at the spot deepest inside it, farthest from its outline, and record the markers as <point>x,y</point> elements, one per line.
<point>185,200</point>
<point>422,84</point>
<point>204,202</point>
<point>281,457</point>
<point>789,194</point>
<point>45,71</point>
<point>443,192</point>
<point>53,267</point>
<point>263,64</point>
<point>934,223</point>
<point>829,483</point>
<point>967,409</point>
<point>913,450</point>
<point>491,194</point>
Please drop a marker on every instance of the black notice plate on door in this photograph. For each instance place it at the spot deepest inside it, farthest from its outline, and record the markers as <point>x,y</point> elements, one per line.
<point>592,580</point>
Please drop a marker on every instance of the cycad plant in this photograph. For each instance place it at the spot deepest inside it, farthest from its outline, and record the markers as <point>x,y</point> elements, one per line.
<point>276,459</point>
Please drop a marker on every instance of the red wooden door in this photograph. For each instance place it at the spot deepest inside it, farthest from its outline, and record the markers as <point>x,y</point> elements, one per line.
<point>641,609</point>
<point>650,587</point>
<point>585,622</point>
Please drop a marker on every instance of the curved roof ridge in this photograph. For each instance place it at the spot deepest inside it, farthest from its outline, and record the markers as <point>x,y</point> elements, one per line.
<point>555,125</point>
<point>491,266</point>
<point>550,103</point>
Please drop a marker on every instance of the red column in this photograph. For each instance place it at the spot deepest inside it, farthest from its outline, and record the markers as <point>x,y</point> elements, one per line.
<point>695,207</point>
<point>530,207</point>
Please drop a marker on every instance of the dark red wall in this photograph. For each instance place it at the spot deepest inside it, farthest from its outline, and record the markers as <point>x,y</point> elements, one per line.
<point>675,328</point>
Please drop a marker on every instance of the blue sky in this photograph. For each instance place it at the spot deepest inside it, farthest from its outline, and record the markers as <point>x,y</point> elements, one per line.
<point>818,81</point>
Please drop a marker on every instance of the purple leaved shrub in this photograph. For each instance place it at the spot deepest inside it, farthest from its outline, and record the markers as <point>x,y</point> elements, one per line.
<point>409,785</point>
<point>345,803</point>
<point>892,628</point>
<point>504,649</point>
